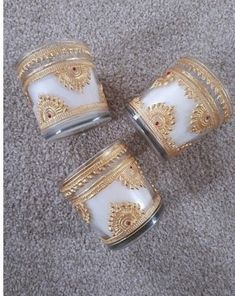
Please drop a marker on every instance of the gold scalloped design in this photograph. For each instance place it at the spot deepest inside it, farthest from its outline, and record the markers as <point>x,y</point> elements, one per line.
<point>83,212</point>
<point>123,216</point>
<point>74,77</point>
<point>132,177</point>
<point>200,120</point>
<point>49,107</point>
<point>163,116</point>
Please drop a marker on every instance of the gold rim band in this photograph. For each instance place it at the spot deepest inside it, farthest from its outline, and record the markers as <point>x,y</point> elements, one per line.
<point>212,82</point>
<point>102,182</point>
<point>49,51</point>
<point>133,229</point>
<point>93,168</point>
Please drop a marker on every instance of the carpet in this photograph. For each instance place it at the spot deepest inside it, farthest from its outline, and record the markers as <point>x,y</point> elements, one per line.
<point>48,250</point>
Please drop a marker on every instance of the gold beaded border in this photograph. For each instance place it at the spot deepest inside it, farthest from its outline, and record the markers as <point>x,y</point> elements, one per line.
<point>93,168</point>
<point>50,51</point>
<point>141,222</point>
<point>212,81</point>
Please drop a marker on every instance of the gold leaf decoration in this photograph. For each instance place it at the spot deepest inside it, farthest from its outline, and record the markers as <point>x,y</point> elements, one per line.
<point>74,76</point>
<point>83,212</point>
<point>49,107</point>
<point>132,177</point>
<point>200,119</point>
<point>162,116</point>
<point>123,216</point>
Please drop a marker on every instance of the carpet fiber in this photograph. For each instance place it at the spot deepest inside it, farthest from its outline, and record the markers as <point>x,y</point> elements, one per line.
<point>48,249</point>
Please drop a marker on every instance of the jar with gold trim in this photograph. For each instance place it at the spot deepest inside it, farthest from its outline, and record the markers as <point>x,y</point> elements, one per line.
<point>61,85</point>
<point>111,194</point>
<point>185,103</point>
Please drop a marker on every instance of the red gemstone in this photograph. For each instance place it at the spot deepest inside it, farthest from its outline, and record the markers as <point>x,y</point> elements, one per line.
<point>49,115</point>
<point>168,73</point>
<point>128,223</point>
<point>207,117</point>
<point>157,123</point>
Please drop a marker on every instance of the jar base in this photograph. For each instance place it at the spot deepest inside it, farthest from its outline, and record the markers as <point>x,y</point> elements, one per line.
<point>145,131</point>
<point>140,231</point>
<point>75,125</point>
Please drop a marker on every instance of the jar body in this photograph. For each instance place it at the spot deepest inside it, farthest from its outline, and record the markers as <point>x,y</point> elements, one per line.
<point>180,107</point>
<point>118,203</point>
<point>61,84</point>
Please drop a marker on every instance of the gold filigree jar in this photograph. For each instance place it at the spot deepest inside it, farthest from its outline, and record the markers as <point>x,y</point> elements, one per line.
<point>60,82</point>
<point>185,103</point>
<point>110,192</point>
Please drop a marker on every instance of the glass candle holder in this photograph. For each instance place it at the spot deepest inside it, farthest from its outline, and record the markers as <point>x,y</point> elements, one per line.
<point>111,194</point>
<point>60,83</point>
<point>181,106</point>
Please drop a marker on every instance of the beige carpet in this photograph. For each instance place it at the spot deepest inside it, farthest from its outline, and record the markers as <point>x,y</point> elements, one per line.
<point>48,250</point>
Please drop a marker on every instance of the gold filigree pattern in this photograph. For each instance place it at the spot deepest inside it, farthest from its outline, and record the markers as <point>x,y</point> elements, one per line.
<point>200,119</point>
<point>123,216</point>
<point>132,177</point>
<point>83,212</point>
<point>164,139</point>
<point>162,116</point>
<point>75,76</point>
<point>153,208</point>
<point>49,107</point>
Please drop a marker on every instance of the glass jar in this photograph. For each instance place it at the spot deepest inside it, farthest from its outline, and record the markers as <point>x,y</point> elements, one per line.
<point>181,106</point>
<point>111,194</point>
<point>60,83</point>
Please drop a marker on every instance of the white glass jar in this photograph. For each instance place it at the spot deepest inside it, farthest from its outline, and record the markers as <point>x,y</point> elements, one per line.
<point>110,192</point>
<point>185,103</point>
<point>60,82</point>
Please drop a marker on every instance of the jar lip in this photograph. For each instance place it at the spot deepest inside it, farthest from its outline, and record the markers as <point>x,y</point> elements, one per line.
<point>40,52</point>
<point>107,155</point>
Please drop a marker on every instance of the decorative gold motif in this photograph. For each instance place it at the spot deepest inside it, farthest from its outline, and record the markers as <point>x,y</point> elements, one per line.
<point>83,212</point>
<point>49,107</point>
<point>132,177</point>
<point>72,112</point>
<point>58,68</point>
<point>93,168</point>
<point>211,81</point>
<point>164,80</point>
<point>103,182</point>
<point>123,216</point>
<point>164,139</point>
<point>48,52</point>
<point>162,116</point>
<point>74,76</point>
<point>200,119</point>
<point>140,222</point>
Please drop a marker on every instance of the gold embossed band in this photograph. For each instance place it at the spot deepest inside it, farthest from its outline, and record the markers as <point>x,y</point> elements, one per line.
<point>48,52</point>
<point>92,168</point>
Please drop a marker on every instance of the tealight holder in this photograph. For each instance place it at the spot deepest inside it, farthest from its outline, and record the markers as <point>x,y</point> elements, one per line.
<point>185,103</point>
<point>60,83</point>
<point>111,194</point>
